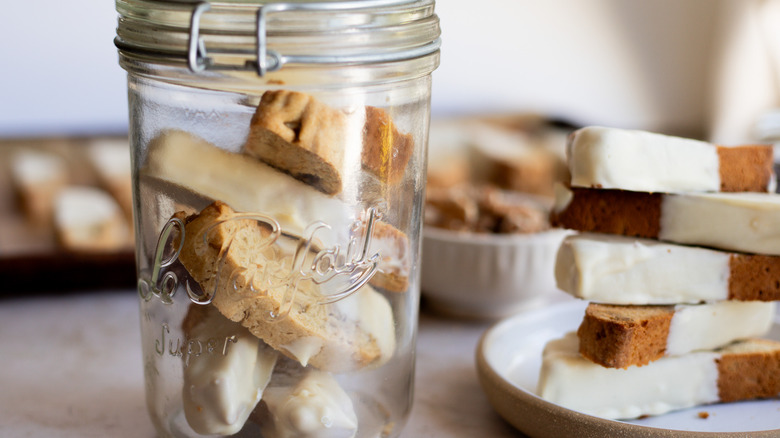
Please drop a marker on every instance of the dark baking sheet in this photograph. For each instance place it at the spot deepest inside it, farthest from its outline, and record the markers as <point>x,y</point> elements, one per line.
<point>30,259</point>
<point>61,272</point>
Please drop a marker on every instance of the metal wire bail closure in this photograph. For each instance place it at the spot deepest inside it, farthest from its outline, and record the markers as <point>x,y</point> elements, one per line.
<point>197,59</point>
<point>271,60</point>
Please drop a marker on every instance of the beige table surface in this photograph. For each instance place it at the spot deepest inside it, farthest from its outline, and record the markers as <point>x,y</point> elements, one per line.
<point>70,366</point>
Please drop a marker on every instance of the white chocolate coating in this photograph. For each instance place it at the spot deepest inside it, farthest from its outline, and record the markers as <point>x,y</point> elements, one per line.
<point>304,348</point>
<point>82,207</point>
<point>625,270</point>
<point>713,325</point>
<point>30,166</point>
<point>247,185</point>
<point>317,407</point>
<point>374,315</point>
<point>370,311</point>
<point>89,218</point>
<point>670,383</point>
<point>641,161</point>
<point>747,222</point>
<point>222,387</point>
<point>111,157</point>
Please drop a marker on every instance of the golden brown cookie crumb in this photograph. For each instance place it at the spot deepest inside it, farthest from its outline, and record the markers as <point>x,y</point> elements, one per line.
<point>485,209</point>
<point>620,336</point>
<point>386,150</point>
<point>298,134</point>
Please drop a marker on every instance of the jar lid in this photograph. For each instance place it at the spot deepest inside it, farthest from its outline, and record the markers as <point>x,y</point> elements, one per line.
<point>265,36</point>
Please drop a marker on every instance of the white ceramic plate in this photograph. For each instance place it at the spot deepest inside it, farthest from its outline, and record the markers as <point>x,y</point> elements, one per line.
<point>508,362</point>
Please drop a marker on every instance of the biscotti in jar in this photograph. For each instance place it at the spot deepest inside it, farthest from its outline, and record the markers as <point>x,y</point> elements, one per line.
<point>279,155</point>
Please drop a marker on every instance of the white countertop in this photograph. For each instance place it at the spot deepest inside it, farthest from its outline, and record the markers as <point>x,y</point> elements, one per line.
<point>70,366</point>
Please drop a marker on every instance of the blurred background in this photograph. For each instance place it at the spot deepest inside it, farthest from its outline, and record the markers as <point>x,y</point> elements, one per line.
<point>706,69</point>
<point>695,67</point>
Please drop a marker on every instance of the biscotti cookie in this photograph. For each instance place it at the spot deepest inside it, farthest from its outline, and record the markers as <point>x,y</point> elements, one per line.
<point>394,266</point>
<point>37,177</point>
<point>244,183</point>
<point>452,208</point>
<point>746,222</point>
<point>89,219</point>
<point>244,267</point>
<point>110,159</point>
<point>449,163</point>
<point>625,270</point>
<point>621,336</point>
<point>386,150</point>
<point>223,380</point>
<point>743,370</point>
<point>289,409</point>
<point>506,212</point>
<point>485,209</point>
<point>610,158</point>
<point>513,161</point>
<point>300,135</point>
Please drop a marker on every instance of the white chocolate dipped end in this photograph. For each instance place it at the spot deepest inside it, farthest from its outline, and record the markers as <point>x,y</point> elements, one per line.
<point>316,407</point>
<point>89,219</point>
<point>624,270</point>
<point>110,159</point>
<point>369,310</point>
<point>222,386</point>
<point>741,371</point>
<point>668,384</point>
<point>37,177</point>
<point>641,161</point>
<point>748,222</point>
<point>713,325</point>
<point>246,184</point>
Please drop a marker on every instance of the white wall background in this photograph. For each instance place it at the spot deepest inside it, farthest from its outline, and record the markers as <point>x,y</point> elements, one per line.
<point>618,62</point>
<point>629,63</point>
<point>58,69</point>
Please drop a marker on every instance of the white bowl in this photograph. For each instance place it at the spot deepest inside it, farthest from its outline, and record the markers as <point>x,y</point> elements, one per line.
<point>488,276</point>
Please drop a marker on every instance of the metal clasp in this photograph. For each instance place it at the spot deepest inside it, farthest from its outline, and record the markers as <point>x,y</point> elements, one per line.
<point>197,59</point>
<point>271,60</point>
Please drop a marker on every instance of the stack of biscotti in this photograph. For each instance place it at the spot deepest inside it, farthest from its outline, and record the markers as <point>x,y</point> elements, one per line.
<point>679,256</point>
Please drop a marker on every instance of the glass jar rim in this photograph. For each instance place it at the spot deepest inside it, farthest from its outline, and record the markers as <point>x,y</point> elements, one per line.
<point>265,36</point>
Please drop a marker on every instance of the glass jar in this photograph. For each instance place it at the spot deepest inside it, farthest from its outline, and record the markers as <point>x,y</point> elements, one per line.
<point>279,154</point>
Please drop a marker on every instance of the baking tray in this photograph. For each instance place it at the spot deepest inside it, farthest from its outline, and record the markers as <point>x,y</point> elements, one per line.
<point>31,260</point>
